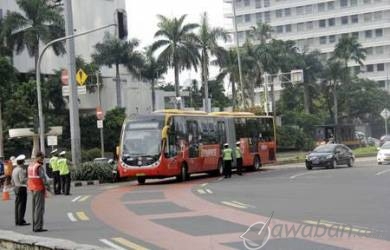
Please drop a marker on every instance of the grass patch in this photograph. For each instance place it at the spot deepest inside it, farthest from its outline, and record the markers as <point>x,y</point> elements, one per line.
<point>365,151</point>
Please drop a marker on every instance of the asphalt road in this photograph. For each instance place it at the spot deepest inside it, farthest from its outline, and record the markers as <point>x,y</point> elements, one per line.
<point>212,213</point>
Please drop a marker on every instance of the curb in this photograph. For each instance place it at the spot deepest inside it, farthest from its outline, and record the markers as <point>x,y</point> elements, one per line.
<point>85,183</point>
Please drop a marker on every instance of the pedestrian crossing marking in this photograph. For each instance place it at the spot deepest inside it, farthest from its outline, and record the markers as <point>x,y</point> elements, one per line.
<point>82,216</point>
<point>112,245</point>
<point>129,244</point>
<point>71,217</point>
<point>209,191</point>
<point>201,191</point>
<point>232,204</point>
<point>75,199</point>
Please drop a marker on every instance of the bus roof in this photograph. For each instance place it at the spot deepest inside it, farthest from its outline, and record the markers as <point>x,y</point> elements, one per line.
<point>180,112</point>
<point>232,114</point>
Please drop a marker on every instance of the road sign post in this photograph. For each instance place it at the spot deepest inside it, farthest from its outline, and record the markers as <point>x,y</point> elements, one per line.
<point>385,114</point>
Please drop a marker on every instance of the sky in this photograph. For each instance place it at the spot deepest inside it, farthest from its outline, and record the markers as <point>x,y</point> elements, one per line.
<point>142,19</point>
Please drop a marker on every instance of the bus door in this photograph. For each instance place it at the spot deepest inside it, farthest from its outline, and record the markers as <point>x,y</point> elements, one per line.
<point>208,146</point>
<point>195,162</point>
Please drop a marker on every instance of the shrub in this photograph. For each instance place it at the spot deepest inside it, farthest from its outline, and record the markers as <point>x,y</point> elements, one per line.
<point>93,171</point>
<point>293,138</point>
<point>90,154</point>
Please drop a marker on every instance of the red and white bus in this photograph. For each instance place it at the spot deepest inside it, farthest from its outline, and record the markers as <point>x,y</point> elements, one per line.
<point>179,143</point>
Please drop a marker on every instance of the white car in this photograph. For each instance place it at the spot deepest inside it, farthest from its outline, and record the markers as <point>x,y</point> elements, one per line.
<point>383,155</point>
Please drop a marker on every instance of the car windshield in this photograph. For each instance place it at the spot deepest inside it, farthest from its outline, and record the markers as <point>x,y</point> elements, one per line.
<point>142,142</point>
<point>328,148</point>
<point>386,146</point>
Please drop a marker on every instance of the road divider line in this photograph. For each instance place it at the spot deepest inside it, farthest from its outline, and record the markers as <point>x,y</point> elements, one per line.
<point>75,199</point>
<point>201,191</point>
<point>84,198</point>
<point>209,191</point>
<point>71,217</point>
<point>345,227</point>
<point>243,204</point>
<point>301,174</point>
<point>112,245</point>
<point>204,184</point>
<point>82,216</point>
<point>128,243</point>
<point>231,204</point>
<point>382,172</point>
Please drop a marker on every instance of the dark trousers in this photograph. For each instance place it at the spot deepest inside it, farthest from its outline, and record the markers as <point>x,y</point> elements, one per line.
<point>65,184</point>
<point>38,209</point>
<point>56,182</point>
<point>20,204</point>
<point>239,166</point>
<point>227,168</point>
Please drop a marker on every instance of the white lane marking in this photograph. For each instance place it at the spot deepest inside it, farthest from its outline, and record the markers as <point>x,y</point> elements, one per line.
<point>201,191</point>
<point>301,174</point>
<point>129,244</point>
<point>209,191</point>
<point>110,244</point>
<point>227,203</point>
<point>204,184</point>
<point>75,199</point>
<point>71,217</point>
<point>84,198</point>
<point>382,172</point>
<point>220,178</point>
<point>243,204</point>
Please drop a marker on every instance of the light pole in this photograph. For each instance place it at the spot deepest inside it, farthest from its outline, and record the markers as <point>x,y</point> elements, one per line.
<point>100,106</point>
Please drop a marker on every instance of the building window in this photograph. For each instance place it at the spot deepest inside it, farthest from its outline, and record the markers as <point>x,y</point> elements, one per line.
<point>247,18</point>
<point>380,67</point>
<point>300,10</point>
<point>331,21</point>
<point>354,19</point>
<point>354,3</point>
<point>379,32</point>
<point>309,9</point>
<point>259,17</point>
<point>332,39</point>
<point>370,68</point>
<point>321,7</point>
<point>355,34</point>
<point>258,4</point>
<point>344,20</point>
<point>381,84</point>
<point>278,13</point>
<point>379,50</point>
<point>367,1</point>
<point>300,26</point>
<point>378,16</point>
<point>279,29</point>
<point>322,23</point>
<point>288,28</point>
<point>287,12</point>
<point>309,25</point>
<point>323,40</point>
<point>343,3</point>
<point>246,2</point>
<point>330,5</point>
<point>267,17</point>
<point>368,33</point>
<point>367,17</point>
<point>266,3</point>
<point>369,51</point>
<point>239,19</point>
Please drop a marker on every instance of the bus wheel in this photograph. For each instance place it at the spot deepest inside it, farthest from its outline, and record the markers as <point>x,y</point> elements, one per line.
<point>183,174</point>
<point>141,180</point>
<point>219,170</point>
<point>256,163</point>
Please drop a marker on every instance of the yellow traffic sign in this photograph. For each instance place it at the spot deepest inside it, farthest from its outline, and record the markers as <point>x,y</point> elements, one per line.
<point>81,77</point>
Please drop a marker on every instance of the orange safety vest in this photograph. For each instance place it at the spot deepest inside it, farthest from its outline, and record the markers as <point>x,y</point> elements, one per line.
<point>35,183</point>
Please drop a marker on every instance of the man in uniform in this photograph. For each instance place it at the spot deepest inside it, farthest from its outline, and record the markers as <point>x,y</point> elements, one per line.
<point>19,181</point>
<point>227,160</point>
<point>36,183</point>
<point>56,172</point>
<point>64,173</point>
<point>239,158</point>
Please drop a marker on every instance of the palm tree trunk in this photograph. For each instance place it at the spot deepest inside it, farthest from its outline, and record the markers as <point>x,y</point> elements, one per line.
<point>118,87</point>
<point>306,100</point>
<point>176,69</point>
<point>205,84</point>
<point>335,104</point>
<point>1,133</point>
<point>153,96</point>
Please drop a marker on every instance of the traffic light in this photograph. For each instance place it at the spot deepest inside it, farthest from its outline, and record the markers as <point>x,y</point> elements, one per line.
<point>121,19</point>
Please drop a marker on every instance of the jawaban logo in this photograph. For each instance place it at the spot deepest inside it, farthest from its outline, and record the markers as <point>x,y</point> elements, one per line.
<point>257,235</point>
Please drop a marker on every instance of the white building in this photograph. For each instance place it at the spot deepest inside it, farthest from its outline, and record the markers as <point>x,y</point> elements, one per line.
<point>319,24</point>
<point>89,14</point>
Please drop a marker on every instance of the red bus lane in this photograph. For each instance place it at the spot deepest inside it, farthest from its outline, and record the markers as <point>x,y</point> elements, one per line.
<point>177,229</point>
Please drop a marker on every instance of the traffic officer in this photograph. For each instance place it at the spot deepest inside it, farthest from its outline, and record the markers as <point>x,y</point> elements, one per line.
<point>19,181</point>
<point>36,184</point>
<point>56,172</point>
<point>238,158</point>
<point>63,167</point>
<point>227,160</point>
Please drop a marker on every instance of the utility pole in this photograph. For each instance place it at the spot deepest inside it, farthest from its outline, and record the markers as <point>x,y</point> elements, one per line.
<point>73,102</point>
<point>266,92</point>
<point>100,105</point>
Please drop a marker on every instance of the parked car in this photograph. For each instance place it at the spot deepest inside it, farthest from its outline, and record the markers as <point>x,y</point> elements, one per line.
<point>384,139</point>
<point>383,155</point>
<point>329,156</point>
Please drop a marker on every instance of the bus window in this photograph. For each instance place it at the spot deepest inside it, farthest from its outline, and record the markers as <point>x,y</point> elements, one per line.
<point>193,138</point>
<point>221,131</point>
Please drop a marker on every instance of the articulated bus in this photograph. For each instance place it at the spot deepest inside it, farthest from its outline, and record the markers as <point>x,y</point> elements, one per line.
<point>175,143</point>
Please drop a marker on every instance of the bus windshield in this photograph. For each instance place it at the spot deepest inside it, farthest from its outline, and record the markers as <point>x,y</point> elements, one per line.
<point>142,139</point>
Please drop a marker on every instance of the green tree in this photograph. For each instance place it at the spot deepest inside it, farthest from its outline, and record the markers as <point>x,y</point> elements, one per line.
<point>208,44</point>
<point>177,44</point>
<point>112,128</point>
<point>113,51</point>
<point>40,21</point>
<point>261,32</point>
<point>218,98</point>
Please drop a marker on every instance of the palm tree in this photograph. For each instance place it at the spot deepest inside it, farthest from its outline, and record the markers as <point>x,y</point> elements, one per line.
<point>333,73</point>
<point>152,71</point>
<point>207,39</point>
<point>39,21</point>
<point>113,51</point>
<point>178,46</point>
<point>262,32</point>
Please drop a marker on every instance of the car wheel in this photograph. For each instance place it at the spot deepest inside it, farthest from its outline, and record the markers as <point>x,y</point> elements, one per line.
<point>308,166</point>
<point>334,163</point>
<point>256,163</point>
<point>379,163</point>
<point>351,162</point>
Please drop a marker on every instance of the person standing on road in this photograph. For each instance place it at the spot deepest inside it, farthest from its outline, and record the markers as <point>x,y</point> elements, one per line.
<point>19,181</point>
<point>36,183</point>
<point>227,160</point>
<point>56,172</point>
<point>63,167</point>
<point>238,158</point>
